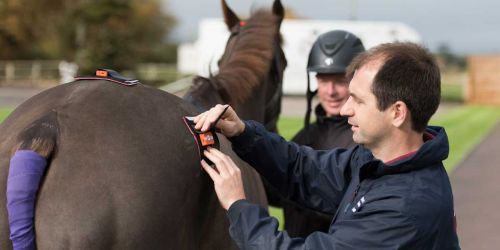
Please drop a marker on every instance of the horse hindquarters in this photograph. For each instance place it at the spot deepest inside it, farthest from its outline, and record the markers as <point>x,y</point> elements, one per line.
<point>126,173</point>
<point>124,176</point>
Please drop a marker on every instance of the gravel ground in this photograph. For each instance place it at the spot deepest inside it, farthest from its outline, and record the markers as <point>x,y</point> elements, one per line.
<point>12,97</point>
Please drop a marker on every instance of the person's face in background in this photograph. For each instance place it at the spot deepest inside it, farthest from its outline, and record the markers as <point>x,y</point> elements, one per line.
<point>333,92</point>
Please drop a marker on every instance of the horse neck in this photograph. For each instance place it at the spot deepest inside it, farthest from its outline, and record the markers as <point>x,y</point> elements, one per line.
<point>204,94</point>
<point>263,106</point>
<point>253,108</point>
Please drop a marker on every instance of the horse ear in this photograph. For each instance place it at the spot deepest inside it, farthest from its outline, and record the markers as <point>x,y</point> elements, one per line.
<point>230,18</point>
<point>278,10</point>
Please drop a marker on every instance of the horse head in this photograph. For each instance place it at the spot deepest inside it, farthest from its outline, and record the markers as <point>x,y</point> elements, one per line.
<point>250,70</point>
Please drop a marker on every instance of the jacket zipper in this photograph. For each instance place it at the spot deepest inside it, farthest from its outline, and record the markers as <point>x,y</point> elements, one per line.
<point>353,197</point>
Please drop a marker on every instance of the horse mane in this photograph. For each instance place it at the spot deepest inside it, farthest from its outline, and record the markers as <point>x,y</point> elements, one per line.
<point>250,60</point>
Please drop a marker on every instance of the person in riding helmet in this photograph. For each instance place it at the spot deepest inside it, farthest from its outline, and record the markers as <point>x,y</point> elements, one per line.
<point>329,57</point>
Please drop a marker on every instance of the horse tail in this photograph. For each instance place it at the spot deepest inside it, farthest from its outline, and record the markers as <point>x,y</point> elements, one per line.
<point>35,146</point>
<point>40,136</point>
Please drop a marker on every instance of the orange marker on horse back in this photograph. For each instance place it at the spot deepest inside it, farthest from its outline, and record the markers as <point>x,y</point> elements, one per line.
<point>101,73</point>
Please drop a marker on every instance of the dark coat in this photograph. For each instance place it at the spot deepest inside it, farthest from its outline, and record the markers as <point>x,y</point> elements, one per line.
<point>325,133</point>
<point>405,204</point>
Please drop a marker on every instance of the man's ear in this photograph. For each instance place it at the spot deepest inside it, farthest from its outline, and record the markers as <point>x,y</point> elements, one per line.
<point>400,114</point>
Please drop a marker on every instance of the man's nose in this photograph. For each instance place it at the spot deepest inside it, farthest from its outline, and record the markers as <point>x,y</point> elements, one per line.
<point>332,88</point>
<point>346,109</point>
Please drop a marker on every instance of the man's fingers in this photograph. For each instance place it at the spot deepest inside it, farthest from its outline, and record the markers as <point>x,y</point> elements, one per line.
<point>213,115</point>
<point>197,118</point>
<point>210,171</point>
<point>200,120</point>
<point>219,162</point>
<point>228,162</point>
<point>216,152</point>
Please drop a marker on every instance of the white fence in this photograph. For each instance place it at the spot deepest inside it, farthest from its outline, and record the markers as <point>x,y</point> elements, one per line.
<point>45,73</point>
<point>29,73</point>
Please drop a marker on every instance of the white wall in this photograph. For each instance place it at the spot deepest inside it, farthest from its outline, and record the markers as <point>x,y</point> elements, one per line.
<point>299,35</point>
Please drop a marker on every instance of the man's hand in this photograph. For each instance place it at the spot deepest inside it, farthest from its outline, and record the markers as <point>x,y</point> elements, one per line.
<point>226,176</point>
<point>229,124</point>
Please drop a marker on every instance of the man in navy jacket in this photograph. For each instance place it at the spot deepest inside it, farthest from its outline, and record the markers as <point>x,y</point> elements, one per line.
<point>392,191</point>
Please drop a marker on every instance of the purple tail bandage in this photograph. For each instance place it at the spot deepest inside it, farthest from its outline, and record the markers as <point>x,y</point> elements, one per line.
<point>25,173</point>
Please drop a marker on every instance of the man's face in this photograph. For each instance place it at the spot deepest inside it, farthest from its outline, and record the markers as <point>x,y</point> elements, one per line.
<point>370,126</point>
<point>333,91</point>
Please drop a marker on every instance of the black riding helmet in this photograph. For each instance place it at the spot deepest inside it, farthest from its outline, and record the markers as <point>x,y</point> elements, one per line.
<point>331,53</point>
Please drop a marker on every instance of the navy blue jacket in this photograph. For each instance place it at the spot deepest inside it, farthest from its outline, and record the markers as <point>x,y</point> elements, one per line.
<point>407,204</point>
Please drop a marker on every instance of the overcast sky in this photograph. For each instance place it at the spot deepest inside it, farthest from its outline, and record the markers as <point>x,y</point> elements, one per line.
<point>468,27</point>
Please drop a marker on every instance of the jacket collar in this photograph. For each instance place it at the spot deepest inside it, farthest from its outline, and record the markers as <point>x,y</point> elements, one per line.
<point>431,153</point>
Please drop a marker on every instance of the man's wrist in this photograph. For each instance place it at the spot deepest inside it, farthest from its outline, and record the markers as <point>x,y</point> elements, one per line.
<point>242,139</point>
<point>241,128</point>
<point>229,204</point>
<point>236,205</point>
<point>238,130</point>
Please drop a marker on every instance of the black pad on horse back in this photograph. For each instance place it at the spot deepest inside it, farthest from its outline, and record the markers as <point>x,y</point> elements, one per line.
<point>109,75</point>
<point>202,139</point>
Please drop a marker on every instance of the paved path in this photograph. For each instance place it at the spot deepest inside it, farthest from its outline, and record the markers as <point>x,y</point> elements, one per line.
<point>12,97</point>
<point>476,189</point>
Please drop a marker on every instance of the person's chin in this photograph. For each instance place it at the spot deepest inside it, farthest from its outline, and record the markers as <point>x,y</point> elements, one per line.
<point>335,105</point>
<point>355,139</point>
<point>333,110</point>
<point>355,134</point>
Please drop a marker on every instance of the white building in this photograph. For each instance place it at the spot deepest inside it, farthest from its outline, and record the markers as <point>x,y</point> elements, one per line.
<point>201,56</point>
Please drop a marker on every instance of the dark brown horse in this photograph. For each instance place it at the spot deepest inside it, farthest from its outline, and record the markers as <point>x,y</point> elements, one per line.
<point>124,172</point>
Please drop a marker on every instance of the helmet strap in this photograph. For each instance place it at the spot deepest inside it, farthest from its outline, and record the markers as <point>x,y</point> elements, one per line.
<point>309,96</point>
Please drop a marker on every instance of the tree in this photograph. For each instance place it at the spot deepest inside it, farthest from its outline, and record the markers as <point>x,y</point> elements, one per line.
<point>95,33</point>
<point>115,34</point>
<point>449,58</point>
<point>17,29</point>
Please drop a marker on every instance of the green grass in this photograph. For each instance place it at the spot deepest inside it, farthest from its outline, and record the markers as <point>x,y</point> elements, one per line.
<point>289,126</point>
<point>452,93</point>
<point>466,127</point>
<point>4,112</point>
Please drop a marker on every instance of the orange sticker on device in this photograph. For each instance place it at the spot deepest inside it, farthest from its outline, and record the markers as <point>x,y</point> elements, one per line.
<point>207,139</point>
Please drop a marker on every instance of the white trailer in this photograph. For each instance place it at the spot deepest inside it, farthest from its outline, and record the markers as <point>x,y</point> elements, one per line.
<point>201,56</point>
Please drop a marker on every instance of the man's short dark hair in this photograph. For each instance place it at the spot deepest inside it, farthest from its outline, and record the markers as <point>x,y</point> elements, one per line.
<point>409,73</point>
